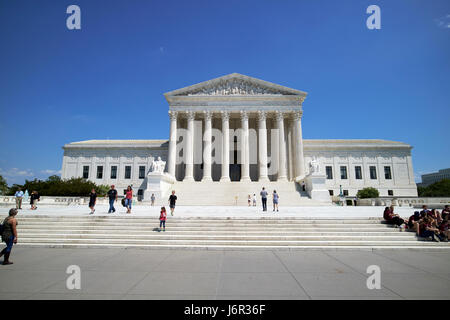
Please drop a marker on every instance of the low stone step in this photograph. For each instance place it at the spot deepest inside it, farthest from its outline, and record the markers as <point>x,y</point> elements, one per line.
<point>184,242</point>
<point>215,232</point>
<point>241,237</point>
<point>436,247</point>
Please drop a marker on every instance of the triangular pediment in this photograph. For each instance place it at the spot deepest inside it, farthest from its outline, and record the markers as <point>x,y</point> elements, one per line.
<point>234,84</point>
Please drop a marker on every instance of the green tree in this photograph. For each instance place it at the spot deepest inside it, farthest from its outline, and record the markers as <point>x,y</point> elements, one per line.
<point>3,186</point>
<point>55,186</point>
<point>368,192</point>
<point>438,189</point>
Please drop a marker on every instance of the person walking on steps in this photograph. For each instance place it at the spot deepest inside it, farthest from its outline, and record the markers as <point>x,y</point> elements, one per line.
<point>152,198</point>
<point>92,201</point>
<point>254,200</point>
<point>162,219</point>
<point>112,195</point>
<point>34,200</point>
<point>172,201</point>
<point>9,234</point>
<point>128,198</point>
<point>19,197</point>
<point>275,200</point>
<point>263,195</point>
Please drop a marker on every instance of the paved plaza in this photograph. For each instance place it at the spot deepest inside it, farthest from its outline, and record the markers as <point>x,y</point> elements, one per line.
<point>40,273</point>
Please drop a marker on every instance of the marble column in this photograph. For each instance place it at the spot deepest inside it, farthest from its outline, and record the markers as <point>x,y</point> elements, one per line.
<point>262,146</point>
<point>282,163</point>
<point>207,138</point>
<point>189,176</point>
<point>245,149</point>
<point>225,146</point>
<point>298,141</point>
<point>172,143</point>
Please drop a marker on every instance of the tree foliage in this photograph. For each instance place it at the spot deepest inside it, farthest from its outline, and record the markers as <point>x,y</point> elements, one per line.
<point>437,189</point>
<point>368,192</point>
<point>55,186</point>
<point>3,186</point>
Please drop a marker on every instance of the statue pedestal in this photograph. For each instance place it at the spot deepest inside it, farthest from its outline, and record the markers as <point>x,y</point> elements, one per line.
<point>316,187</point>
<point>159,184</point>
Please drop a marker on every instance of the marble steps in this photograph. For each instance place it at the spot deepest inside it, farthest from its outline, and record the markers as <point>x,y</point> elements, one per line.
<point>214,233</point>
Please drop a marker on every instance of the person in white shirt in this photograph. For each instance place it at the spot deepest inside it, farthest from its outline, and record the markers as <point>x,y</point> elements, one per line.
<point>19,197</point>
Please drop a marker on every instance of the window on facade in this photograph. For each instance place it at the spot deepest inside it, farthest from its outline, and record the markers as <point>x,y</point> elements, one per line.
<point>113,172</point>
<point>141,172</point>
<point>329,171</point>
<point>85,172</point>
<point>373,172</point>
<point>387,173</point>
<point>343,172</point>
<point>127,172</point>
<point>331,192</point>
<point>390,192</point>
<point>358,173</point>
<point>99,172</point>
<point>345,192</point>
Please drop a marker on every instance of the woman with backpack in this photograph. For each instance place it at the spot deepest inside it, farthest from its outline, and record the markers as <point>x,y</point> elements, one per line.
<point>9,234</point>
<point>128,198</point>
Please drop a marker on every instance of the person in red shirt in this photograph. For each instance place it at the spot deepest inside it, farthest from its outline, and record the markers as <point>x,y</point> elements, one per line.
<point>414,221</point>
<point>128,198</point>
<point>445,212</point>
<point>427,230</point>
<point>444,231</point>
<point>391,217</point>
<point>162,219</point>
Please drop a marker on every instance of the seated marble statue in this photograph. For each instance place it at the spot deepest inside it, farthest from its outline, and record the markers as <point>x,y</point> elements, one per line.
<point>158,166</point>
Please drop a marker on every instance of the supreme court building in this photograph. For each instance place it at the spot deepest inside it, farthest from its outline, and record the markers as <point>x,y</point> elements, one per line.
<point>231,136</point>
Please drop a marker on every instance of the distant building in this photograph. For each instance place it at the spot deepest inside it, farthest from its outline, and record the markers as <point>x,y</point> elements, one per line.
<point>431,178</point>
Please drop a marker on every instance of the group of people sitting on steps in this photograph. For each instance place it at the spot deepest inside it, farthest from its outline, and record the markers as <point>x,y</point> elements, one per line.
<point>426,223</point>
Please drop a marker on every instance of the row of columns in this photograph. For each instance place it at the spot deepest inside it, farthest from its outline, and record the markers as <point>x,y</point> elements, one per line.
<point>245,148</point>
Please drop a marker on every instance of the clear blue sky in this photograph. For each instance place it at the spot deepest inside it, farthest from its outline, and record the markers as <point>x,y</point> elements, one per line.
<point>107,80</point>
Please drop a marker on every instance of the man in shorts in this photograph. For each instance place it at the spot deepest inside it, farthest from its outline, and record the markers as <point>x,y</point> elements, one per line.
<point>172,201</point>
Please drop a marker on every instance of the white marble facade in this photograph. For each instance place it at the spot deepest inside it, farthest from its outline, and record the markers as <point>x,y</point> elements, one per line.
<point>228,130</point>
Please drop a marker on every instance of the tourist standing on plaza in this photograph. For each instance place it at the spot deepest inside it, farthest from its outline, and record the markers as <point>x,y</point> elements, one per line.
<point>19,197</point>
<point>92,200</point>
<point>254,200</point>
<point>34,200</point>
<point>249,201</point>
<point>128,198</point>
<point>162,219</point>
<point>9,234</point>
<point>263,195</point>
<point>172,202</point>
<point>275,200</point>
<point>112,195</point>
<point>152,198</point>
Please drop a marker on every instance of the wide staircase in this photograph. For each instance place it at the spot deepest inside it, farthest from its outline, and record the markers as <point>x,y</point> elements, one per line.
<point>213,233</point>
<point>236,193</point>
